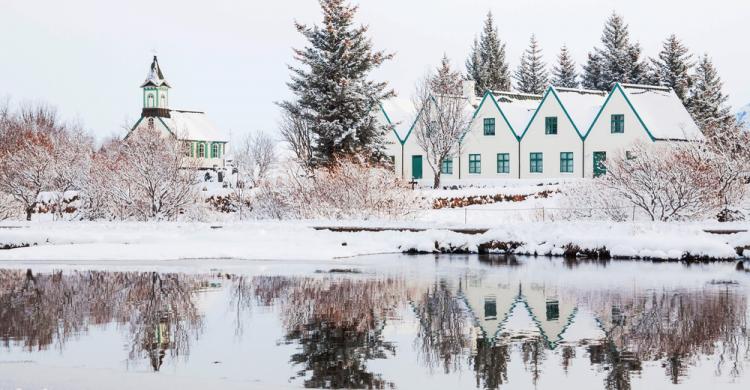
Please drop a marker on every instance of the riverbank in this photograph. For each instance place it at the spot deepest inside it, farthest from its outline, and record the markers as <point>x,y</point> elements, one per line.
<point>274,240</point>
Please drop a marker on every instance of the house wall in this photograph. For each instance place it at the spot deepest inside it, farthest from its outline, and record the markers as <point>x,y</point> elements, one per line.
<point>488,146</point>
<point>202,163</point>
<point>412,148</point>
<point>550,145</point>
<point>601,139</point>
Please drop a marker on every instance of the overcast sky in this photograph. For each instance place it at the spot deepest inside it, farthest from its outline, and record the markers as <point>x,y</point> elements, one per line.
<point>229,57</point>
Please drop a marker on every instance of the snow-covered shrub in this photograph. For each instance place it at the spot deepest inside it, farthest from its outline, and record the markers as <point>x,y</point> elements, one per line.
<point>351,187</point>
<point>678,181</point>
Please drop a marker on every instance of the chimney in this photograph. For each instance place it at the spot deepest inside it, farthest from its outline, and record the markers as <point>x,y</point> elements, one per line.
<point>468,92</point>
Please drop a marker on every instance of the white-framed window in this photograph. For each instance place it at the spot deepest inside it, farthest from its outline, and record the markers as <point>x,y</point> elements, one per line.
<point>202,150</point>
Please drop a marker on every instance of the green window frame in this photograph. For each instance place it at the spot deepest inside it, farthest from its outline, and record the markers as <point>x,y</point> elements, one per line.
<point>550,125</point>
<point>566,162</point>
<point>489,126</point>
<point>475,163</point>
<point>536,162</point>
<point>503,163</point>
<point>618,123</point>
<point>446,168</point>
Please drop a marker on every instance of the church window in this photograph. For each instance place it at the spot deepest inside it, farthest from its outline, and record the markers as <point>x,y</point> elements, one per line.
<point>202,150</point>
<point>151,123</point>
<point>214,150</point>
<point>150,101</point>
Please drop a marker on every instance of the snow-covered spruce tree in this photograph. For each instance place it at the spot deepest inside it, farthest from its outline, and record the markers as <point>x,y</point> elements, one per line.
<point>332,88</point>
<point>446,81</point>
<point>592,73</point>
<point>564,73</point>
<point>673,65</point>
<point>443,118</point>
<point>706,101</point>
<point>486,64</point>
<point>617,60</point>
<point>531,75</point>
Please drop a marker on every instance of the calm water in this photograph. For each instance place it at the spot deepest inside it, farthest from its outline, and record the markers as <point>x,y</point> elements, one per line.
<point>378,322</point>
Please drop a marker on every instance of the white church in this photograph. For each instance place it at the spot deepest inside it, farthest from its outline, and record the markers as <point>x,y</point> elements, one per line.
<point>204,141</point>
<point>563,133</point>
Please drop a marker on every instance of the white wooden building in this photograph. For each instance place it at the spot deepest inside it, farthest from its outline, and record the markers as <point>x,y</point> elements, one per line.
<point>564,133</point>
<point>203,140</point>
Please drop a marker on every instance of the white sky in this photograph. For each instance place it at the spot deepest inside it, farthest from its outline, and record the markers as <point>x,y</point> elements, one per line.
<point>229,57</point>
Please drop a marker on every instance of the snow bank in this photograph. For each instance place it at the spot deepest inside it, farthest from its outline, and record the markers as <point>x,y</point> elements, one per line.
<point>266,240</point>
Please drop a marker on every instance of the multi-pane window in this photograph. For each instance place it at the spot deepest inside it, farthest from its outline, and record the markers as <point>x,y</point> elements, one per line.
<point>446,168</point>
<point>489,126</point>
<point>202,150</point>
<point>618,123</point>
<point>475,163</point>
<point>214,150</point>
<point>566,162</point>
<point>536,163</point>
<point>503,163</point>
<point>550,125</point>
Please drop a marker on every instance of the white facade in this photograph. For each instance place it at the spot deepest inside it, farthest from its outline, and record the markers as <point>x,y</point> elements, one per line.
<point>562,134</point>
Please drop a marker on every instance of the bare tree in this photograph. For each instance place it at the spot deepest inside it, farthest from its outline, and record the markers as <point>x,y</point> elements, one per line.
<point>442,121</point>
<point>254,159</point>
<point>27,153</point>
<point>297,133</point>
<point>150,177</point>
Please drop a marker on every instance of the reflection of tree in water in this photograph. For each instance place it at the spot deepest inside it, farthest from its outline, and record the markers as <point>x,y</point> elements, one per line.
<point>490,363</point>
<point>443,336</point>
<point>674,327</point>
<point>158,309</point>
<point>338,324</point>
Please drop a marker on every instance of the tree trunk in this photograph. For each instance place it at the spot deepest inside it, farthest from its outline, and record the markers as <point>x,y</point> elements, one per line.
<point>436,184</point>
<point>29,211</point>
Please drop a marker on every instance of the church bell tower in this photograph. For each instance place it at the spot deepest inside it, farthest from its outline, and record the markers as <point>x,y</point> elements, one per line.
<point>155,92</point>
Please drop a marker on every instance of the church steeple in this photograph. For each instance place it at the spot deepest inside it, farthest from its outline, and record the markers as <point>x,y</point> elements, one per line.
<point>155,91</point>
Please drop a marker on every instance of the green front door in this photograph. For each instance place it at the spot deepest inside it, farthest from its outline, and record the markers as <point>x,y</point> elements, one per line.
<point>599,159</point>
<point>416,167</point>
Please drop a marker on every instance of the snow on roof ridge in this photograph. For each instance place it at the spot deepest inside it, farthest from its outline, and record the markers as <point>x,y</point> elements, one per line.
<point>516,93</point>
<point>581,90</point>
<point>647,87</point>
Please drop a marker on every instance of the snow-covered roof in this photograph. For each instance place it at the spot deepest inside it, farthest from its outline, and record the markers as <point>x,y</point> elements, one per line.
<point>582,105</point>
<point>155,76</point>
<point>662,112</point>
<point>518,108</point>
<point>401,113</point>
<point>194,126</point>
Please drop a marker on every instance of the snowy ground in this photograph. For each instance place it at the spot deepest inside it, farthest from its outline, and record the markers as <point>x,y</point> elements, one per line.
<point>96,241</point>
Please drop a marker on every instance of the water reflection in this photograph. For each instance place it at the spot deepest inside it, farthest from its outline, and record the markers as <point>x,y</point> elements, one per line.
<point>158,310</point>
<point>484,321</point>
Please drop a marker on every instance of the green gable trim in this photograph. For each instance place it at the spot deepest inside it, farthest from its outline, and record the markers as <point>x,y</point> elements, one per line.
<point>390,123</point>
<point>618,87</point>
<point>553,92</point>
<point>489,94</point>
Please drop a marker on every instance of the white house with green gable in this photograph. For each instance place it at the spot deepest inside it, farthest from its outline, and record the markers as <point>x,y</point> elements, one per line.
<point>565,133</point>
<point>204,141</point>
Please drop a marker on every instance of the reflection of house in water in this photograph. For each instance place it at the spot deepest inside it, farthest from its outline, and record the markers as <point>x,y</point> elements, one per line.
<point>159,342</point>
<point>494,304</point>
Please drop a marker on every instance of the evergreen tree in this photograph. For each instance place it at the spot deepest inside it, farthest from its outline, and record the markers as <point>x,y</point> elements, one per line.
<point>564,73</point>
<point>592,73</point>
<point>531,76</point>
<point>672,68</point>
<point>486,64</point>
<point>333,92</point>
<point>706,101</point>
<point>446,81</point>
<point>618,60</point>
<point>474,66</point>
